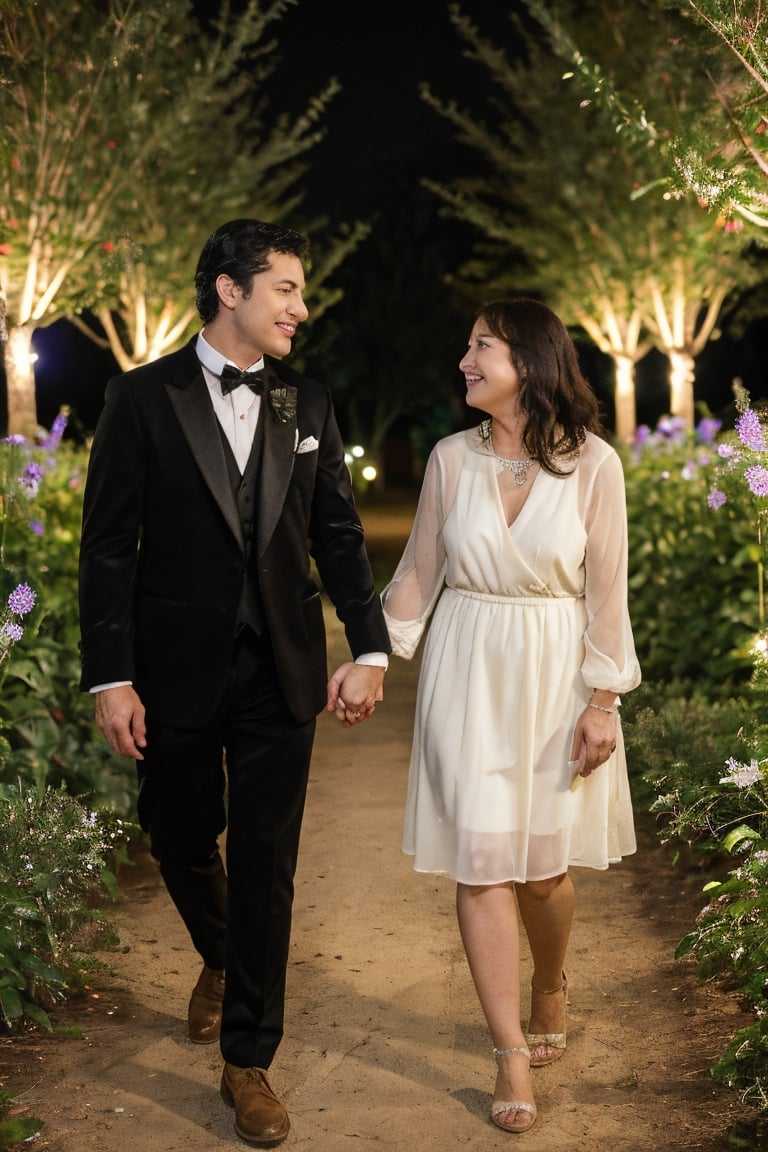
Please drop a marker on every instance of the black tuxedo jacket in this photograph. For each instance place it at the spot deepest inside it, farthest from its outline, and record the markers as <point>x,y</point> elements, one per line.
<point>162,558</point>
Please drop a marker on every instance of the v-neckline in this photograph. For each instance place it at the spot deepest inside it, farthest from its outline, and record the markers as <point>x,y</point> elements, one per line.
<point>530,485</point>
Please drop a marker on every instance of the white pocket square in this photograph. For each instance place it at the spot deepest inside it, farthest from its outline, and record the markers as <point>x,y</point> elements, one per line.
<point>309,444</point>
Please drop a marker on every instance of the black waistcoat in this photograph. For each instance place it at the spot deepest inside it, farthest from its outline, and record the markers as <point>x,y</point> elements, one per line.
<point>244,487</point>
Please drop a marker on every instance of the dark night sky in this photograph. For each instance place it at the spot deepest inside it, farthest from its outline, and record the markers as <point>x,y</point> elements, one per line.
<point>380,54</point>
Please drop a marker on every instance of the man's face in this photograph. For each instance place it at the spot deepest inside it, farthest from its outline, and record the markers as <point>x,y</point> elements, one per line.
<point>266,320</point>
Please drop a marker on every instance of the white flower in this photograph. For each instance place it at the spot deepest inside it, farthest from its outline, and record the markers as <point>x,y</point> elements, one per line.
<point>741,775</point>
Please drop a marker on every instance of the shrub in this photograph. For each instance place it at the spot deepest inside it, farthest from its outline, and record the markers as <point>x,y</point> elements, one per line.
<point>55,860</point>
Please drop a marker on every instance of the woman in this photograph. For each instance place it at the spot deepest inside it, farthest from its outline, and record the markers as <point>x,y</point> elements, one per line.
<point>518,557</point>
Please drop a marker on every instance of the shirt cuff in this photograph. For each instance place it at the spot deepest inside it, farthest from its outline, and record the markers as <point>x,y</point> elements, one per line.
<point>380,659</point>
<point>113,684</point>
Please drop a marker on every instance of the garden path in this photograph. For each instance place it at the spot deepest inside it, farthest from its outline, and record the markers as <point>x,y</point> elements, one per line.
<point>385,1047</point>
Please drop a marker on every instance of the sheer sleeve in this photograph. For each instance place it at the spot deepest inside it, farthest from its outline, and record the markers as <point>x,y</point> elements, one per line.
<point>610,661</point>
<point>410,596</point>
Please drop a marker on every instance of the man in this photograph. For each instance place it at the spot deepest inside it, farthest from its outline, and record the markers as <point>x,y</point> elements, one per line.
<point>208,492</point>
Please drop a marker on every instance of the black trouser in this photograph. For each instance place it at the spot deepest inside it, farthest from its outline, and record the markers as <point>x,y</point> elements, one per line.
<point>241,922</point>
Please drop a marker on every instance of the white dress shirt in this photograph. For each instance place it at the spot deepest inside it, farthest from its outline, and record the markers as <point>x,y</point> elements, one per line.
<point>238,411</point>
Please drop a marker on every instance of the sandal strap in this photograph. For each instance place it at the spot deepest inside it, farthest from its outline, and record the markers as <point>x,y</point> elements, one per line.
<point>513,1106</point>
<point>552,1039</point>
<point>562,987</point>
<point>511,1052</point>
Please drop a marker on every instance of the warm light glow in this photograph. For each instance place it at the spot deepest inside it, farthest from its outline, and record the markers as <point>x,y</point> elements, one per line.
<point>33,357</point>
<point>369,472</point>
<point>357,451</point>
<point>347,458</point>
<point>760,646</point>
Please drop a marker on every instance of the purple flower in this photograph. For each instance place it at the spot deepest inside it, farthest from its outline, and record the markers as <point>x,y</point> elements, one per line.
<point>750,430</point>
<point>36,527</point>
<point>728,452</point>
<point>671,427</point>
<point>15,439</point>
<point>707,429</point>
<point>30,480</point>
<point>56,433</point>
<point>757,478</point>
<point>642,434</point>
<point>22,599</point>
<point>716,499</point>
<point>14,632</point>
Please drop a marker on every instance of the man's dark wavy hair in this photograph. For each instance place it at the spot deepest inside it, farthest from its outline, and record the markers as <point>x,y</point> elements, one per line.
<point>241,249</point>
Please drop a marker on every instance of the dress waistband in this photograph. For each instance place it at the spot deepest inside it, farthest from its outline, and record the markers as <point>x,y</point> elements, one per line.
<point>544,597</point>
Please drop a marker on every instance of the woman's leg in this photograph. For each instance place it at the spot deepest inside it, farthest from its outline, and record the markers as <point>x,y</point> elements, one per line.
<point>546,909</point>
<point>490,934</point>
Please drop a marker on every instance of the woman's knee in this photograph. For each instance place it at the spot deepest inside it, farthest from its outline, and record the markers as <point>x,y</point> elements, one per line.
<point>542,889</point>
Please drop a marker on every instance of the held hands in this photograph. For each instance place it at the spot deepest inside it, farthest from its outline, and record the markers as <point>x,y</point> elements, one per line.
<point>120,717</point>
<point>594,740</point>
<point>354,690</point>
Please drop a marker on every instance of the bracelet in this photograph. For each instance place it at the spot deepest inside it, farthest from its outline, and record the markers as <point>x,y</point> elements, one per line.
<point>599,708</point>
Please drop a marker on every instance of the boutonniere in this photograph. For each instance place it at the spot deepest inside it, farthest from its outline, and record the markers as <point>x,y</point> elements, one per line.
<point>282,401</point>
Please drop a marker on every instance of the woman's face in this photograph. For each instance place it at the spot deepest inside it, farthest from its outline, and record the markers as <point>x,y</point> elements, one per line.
<point>492,379</point>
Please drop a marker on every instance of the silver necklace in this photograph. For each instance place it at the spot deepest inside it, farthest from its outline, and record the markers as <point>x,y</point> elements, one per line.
<point>519,467</point>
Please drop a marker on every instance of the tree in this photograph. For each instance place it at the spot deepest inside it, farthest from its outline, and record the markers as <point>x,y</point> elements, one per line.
<point>723,164</point>
<point>561,192</point>
<point>130,133</point>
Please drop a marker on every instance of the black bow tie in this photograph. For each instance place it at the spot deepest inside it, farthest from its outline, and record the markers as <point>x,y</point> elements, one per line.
<point>232,377</point>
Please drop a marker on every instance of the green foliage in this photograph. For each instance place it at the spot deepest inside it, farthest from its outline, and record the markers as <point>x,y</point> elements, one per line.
<point>16,1129</point>
<point>713,155</point>
<point>55,861</point>
<point>692,572</point>
<point>47,733</point>
<point>702,743</point>
<point>55,850</point>
<point>678,739</point>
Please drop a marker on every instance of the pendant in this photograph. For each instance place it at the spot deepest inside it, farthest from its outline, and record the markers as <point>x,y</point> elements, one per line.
<point>519,467</point>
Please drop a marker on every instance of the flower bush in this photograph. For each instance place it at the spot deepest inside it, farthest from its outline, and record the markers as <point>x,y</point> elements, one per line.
<point>704,751</point>
<point>47,732</point>
<point>693,596</point>
<point>61,788</point>
<point>56,859</point>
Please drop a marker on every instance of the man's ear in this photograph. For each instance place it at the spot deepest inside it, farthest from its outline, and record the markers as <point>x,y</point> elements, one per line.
<point>227,290</point>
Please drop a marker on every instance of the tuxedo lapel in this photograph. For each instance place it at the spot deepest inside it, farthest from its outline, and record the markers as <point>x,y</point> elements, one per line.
<point>188,394</point>
<point>278,413</point>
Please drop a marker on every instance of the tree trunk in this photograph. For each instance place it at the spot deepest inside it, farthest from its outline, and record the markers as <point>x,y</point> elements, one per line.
<point>20,382</point>
<point>681,377</point>
<point>624,399</point>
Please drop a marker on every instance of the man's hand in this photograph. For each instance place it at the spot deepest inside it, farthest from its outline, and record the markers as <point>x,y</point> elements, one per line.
<point>120,717</point>
<point>354,691</point>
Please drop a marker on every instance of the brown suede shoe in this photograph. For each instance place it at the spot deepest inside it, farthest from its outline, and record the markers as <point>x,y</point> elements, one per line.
<point>204,1013</point>
<point>260,1118</point>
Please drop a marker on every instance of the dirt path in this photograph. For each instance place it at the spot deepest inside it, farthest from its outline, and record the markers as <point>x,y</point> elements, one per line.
<point>385,1046</point>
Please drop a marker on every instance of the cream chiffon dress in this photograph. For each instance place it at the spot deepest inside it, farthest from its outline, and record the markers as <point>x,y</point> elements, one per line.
<point>524,622</point>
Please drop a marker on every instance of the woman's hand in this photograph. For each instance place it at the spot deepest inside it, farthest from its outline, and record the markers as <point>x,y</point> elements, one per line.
<point>594,739</point>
